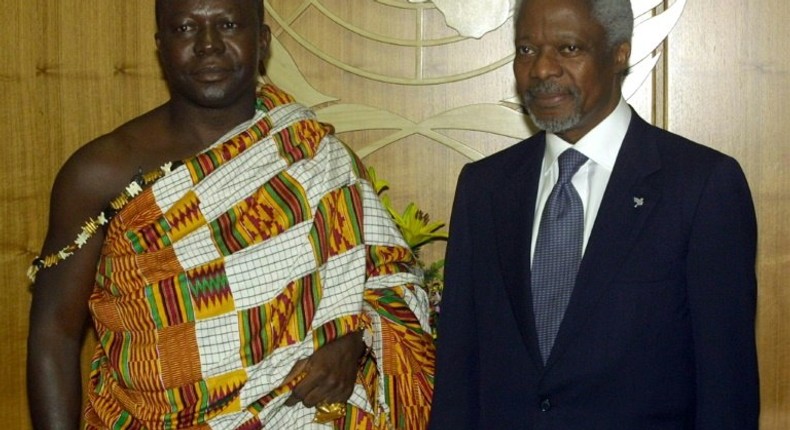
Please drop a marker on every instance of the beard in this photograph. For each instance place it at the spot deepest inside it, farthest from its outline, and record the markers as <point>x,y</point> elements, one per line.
<point>553,125</point>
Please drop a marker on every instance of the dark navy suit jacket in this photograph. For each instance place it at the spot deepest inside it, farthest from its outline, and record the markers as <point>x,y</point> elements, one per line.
<point>659,332</point>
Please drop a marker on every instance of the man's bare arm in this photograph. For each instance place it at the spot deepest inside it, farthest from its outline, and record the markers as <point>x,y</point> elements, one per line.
<point>59,310</point>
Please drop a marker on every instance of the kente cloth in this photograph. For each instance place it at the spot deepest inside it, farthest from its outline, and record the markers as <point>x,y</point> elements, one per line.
<point>214,281</point>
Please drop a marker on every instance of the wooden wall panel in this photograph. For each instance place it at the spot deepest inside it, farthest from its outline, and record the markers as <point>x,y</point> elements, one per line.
<point>73,69</point>
<point>69,71</point>
<point>729,87</point>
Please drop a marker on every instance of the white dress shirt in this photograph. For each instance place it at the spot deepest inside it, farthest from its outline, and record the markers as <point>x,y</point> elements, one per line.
<point>601,146</point>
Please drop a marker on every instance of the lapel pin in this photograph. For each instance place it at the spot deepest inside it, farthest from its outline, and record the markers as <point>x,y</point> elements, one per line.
<point>639,201</point>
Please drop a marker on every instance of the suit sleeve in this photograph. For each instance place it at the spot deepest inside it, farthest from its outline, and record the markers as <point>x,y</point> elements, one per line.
<point>722,301</point>
<point>455,403</point>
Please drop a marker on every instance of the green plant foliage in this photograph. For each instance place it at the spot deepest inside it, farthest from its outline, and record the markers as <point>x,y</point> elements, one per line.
<point>417,230</point>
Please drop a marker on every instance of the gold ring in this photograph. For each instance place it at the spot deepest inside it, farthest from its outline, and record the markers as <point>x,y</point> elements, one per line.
<point>326,412</point>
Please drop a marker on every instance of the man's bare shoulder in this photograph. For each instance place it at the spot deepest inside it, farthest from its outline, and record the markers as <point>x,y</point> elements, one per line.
<point>99,170</point>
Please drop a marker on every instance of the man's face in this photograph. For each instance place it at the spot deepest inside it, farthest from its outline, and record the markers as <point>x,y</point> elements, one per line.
<point>568,79</point>
<point>210,49</point>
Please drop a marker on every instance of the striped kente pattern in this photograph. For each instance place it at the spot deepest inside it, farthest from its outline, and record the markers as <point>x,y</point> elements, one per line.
<point>243,260</point>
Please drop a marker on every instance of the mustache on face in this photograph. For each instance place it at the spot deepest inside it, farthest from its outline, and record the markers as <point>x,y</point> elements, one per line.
<point>548,87</point>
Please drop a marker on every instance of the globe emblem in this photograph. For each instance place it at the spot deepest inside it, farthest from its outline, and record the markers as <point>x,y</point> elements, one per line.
<point>419,88</point>
<point>431,50</point>
<point>415,33</point>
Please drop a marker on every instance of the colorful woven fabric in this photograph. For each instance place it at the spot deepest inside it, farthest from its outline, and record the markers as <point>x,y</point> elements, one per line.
<point>214,281</point>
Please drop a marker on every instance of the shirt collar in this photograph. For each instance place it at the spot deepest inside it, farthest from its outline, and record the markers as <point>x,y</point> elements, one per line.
<point>601,144</point>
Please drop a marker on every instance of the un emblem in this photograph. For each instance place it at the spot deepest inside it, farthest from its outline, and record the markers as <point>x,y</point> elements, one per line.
<point>413,44</point>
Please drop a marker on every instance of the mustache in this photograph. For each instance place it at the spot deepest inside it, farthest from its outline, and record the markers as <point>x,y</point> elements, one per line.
<point>548,87</point>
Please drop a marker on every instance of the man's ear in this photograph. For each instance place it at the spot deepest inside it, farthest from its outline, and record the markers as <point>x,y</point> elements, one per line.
<point>621,55</point>
<point>265,40</point>
<point>264,43</point>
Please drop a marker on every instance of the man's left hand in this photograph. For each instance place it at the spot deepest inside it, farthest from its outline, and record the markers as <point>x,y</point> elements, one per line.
<point>330,373</point>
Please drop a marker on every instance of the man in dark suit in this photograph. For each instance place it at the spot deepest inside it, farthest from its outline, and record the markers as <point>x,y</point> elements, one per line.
<point>656,327</point>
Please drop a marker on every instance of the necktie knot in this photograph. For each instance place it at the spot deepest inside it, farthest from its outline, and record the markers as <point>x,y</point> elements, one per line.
<point>570,161</point>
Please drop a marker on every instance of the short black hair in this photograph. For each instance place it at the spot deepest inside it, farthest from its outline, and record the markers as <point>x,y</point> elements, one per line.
<point>257,4</point>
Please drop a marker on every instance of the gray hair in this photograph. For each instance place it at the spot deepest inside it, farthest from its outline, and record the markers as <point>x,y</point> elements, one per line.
<point>615,16</point>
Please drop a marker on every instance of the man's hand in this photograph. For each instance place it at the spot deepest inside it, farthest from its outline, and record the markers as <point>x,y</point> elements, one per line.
<point>330,373</point>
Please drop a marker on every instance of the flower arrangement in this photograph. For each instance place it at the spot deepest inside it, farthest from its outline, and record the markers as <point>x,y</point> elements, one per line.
<point>418,230</point>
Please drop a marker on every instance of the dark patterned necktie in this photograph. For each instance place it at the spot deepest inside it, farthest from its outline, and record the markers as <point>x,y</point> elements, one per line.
<point>558,252</point>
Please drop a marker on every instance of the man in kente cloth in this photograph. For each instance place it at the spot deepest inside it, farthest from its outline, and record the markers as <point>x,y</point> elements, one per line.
<point>247,276</point>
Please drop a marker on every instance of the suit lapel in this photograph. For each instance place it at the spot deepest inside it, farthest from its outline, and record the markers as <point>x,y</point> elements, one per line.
<point>513,208</point>
<point>627,203</point>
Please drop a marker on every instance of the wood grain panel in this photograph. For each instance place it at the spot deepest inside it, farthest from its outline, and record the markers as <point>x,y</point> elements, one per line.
<point>69,71</point>
<point>728,87</point>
